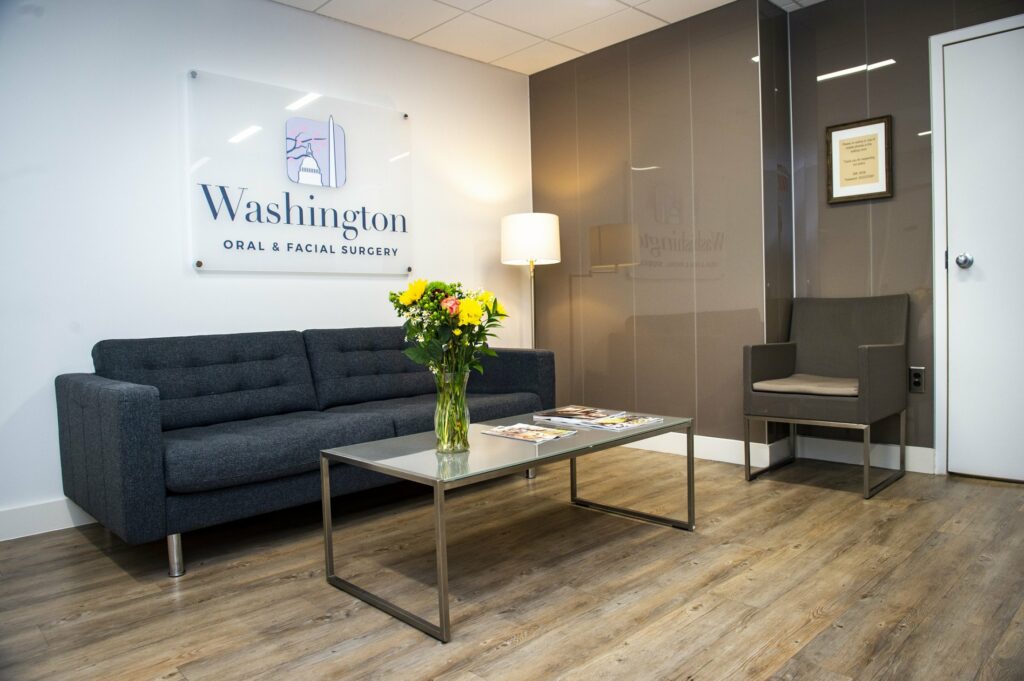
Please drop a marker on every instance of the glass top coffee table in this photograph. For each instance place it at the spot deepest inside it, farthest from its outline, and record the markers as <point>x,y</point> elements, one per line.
<point>413,457</point>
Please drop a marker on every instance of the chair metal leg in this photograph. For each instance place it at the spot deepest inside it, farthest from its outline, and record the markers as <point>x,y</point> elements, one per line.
<point>746,448</point>
<point>869,490</point>
<point>753,474</point>
<point>175,562</point>
<point>867,462</point>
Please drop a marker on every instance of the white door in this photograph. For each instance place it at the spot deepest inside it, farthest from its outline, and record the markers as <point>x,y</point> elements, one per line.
<point>984,142</point>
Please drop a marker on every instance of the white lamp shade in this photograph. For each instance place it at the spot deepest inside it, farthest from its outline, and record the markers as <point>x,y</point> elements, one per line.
<point>530,237</point>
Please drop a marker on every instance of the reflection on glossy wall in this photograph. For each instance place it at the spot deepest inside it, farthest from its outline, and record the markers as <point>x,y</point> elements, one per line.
<point>650,153</point>
<point>880,246</point>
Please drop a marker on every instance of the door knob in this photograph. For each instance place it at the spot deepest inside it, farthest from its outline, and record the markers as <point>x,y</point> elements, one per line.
<point>964,261</point>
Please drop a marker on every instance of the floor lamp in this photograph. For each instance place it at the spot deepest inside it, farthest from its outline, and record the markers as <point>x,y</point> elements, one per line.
<point>530,239</point>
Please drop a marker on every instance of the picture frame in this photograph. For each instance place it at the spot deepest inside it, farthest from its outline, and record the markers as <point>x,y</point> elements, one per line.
<point>858,160</point>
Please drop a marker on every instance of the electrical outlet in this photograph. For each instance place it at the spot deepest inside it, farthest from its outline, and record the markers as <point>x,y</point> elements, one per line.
<point>917,376</point>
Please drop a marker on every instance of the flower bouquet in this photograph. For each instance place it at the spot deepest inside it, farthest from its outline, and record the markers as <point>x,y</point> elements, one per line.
<point>448,327</point>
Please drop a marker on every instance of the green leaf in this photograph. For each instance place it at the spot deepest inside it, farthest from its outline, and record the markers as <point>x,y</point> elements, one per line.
<point>417,354</point>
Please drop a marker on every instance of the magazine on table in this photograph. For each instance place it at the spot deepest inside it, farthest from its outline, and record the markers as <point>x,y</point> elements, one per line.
<point>592,417</point>
<point>575,415</point>
<point>624,422</point>
<point>528,432</point>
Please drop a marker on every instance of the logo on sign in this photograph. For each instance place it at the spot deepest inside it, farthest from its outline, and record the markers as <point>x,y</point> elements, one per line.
<point>315,152</point>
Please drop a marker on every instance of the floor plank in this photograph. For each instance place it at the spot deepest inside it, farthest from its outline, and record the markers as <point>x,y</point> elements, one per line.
<point>791,577</point>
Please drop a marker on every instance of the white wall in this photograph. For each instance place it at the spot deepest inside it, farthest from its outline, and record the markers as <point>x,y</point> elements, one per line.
<point>93,202</point>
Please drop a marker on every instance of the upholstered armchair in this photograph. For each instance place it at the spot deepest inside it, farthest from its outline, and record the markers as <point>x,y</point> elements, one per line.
<point>845,366</point>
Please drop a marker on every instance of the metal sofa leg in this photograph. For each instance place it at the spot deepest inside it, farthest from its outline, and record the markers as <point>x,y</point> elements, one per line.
<point>175,562</point>
<point>530,473</point>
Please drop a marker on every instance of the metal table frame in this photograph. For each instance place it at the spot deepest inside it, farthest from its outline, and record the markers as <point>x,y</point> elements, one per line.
<point>443,630</point>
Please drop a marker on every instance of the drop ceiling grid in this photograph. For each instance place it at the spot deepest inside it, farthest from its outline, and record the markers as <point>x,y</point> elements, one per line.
<point>526,36</point>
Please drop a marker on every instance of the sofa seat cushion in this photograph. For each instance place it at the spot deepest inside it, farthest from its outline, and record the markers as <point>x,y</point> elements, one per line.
<point>416,414</point>
<point>239,452</point>
<point>809,384</point>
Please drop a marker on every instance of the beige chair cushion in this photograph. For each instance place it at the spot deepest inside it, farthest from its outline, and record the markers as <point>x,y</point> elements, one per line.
<point>808,384</point>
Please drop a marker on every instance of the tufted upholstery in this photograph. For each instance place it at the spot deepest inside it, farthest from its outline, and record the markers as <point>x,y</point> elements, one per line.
<point>351,366</point>
<point>212,379</point>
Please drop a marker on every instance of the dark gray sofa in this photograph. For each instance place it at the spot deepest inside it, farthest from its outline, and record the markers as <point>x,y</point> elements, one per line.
<point>171,435</point>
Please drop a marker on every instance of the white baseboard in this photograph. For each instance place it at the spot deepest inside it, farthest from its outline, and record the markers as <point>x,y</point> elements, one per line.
<point>716,448</point>
<point>919,459</point>
<point>58,514</point>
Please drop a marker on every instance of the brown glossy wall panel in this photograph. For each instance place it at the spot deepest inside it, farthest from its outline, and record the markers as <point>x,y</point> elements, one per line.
<point>603,301</point>
<point>881,246</point>
<point>777,168</point>
<point>667,230</point>
<point>555,190</point>
<point>729,276</point>
<point>661,179</point>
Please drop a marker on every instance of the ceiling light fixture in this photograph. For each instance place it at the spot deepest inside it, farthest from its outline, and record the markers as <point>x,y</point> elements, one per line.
<point>926,132</point>
<point>642,168</point>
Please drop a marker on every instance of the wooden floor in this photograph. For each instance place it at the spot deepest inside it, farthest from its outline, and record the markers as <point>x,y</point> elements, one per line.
<point>791,577</point>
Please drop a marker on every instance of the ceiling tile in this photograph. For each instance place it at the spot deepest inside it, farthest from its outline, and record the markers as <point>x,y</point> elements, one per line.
<point>402,18</point>
<point>677,10</point>
<point>308,5</point>
<point>537,58</point>
<point>547,18</point>
<point>610,30</point>
<point>476,38</point>
<point>464,4</point>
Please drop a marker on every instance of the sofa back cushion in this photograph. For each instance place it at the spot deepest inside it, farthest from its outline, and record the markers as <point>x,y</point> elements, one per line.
<point>212,379</point>
<point>362,365</point>
<point>827,331</point>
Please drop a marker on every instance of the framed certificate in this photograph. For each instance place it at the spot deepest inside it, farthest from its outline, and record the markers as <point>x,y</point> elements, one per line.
<point>859,160</point>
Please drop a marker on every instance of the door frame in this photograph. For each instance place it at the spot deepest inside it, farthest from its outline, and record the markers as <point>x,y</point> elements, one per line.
<point>940,270</point>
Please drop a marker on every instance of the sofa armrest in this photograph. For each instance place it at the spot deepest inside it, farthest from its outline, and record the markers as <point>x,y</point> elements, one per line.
<point>767,361</point>
<point>518,370</point>
<point>111,453</point>
<point>882,377</point>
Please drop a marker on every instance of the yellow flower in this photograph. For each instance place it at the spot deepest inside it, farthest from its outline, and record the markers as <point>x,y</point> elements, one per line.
<point>486,298</point>
<point>457,332</point>
<point>501,309</point>
<point>414,292</point>
<point>470,312</point>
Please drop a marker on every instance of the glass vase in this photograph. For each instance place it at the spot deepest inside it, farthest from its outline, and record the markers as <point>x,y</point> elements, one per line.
<point>451,417</point>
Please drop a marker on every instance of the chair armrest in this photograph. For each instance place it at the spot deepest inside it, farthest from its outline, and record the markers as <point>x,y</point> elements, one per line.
<point>767,361</point>
<point>882,378</point>
<point>517,370</point>
<point>111,453</point>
